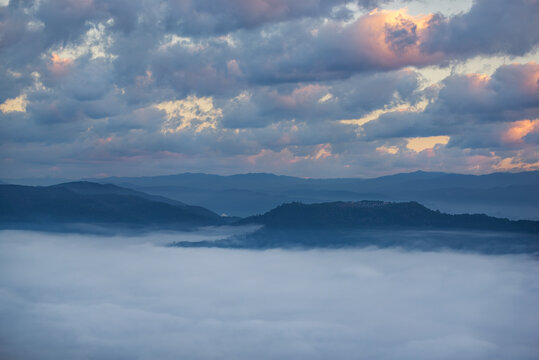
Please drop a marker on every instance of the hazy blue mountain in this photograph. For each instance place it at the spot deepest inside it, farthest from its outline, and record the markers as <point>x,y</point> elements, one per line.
<point>91,203</point>
<point>408,225</point>
<point>44,181</point>
<point>433,180</point>
<point>513,195</point>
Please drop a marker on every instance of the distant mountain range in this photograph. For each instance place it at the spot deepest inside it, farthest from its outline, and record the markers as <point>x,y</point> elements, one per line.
<point>512,195</point>
<point>96,204</point>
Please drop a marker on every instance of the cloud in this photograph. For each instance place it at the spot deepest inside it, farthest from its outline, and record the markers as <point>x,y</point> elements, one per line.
<point>391,39</point>
<point>124,297</point>
<point>192,112</point>
<point>196,17</point>
<point>511,94</point>
<point>490,27</point>
<point>319,51</point>
<point>284,78</point>
<point>337,100</point>
<point>17,104</point>
<point>518,131</point>
<point>419,144</point>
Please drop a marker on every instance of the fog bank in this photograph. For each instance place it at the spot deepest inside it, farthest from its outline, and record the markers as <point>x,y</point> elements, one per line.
<point>88,297</point>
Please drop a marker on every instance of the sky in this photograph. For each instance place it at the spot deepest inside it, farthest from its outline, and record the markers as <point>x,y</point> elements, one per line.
<point>86,297</point>
<point>310,88</point>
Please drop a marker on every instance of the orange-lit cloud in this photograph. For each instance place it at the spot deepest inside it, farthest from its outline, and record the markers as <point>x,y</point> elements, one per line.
<point>392,38</point>
<point>103,141</point>
<point>419,144</point>
<point>323,151</point>
<point>514,163</point>
<point>477,82</point>
<point>59,66</point>
<point>531,78</point>
<point>17,104</point>
<point>519,129</point>
<point>392,150</point>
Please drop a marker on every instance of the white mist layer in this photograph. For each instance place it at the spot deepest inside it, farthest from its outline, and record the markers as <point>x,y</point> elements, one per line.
<point>82,297</point>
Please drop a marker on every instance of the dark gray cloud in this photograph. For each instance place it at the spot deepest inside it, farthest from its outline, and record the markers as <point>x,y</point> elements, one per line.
<point>401,35</point>
<point>490,27</point>
<point>346,99</point>
<point>114,298</point>
<point>388,40</point>
<point>511,93</point>
<point>209,16</point>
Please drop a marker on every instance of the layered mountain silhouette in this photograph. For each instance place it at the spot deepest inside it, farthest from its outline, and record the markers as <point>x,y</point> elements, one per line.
<point>91,203</point>
<point>512,195</point>
<point>330,224</point>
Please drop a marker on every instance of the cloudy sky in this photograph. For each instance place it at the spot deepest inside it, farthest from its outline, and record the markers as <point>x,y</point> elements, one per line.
<point>316,88</point>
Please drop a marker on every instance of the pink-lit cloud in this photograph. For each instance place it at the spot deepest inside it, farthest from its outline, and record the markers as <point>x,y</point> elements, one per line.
<point>518,130</point>
<point>392,39</point>
<point>59,66</point>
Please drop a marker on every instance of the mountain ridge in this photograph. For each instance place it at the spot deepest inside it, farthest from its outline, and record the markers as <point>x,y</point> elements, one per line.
<point>248,194</point>
<point>376,214</point>
<point>91,203</point>
<point>499,194</point>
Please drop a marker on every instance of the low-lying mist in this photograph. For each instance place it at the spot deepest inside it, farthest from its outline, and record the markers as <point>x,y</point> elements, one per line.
<point>93,297</point>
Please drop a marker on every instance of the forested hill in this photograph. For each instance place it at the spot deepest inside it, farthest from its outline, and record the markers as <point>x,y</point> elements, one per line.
<point>379,214</point>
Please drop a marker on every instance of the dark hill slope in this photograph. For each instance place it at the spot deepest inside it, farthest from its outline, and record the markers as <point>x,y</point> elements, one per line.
<point>96,204</point>
<point>379,214</point>
<point>90,188</point>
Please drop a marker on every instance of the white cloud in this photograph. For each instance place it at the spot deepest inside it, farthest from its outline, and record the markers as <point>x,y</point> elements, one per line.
<point>79,297</point>
<point>95,42</point>
<point>193,112</point>
<point>17,104</point>
<point>171,40</point>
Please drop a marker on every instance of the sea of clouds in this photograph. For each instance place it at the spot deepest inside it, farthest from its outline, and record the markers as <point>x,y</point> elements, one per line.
<point>95,297</point>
